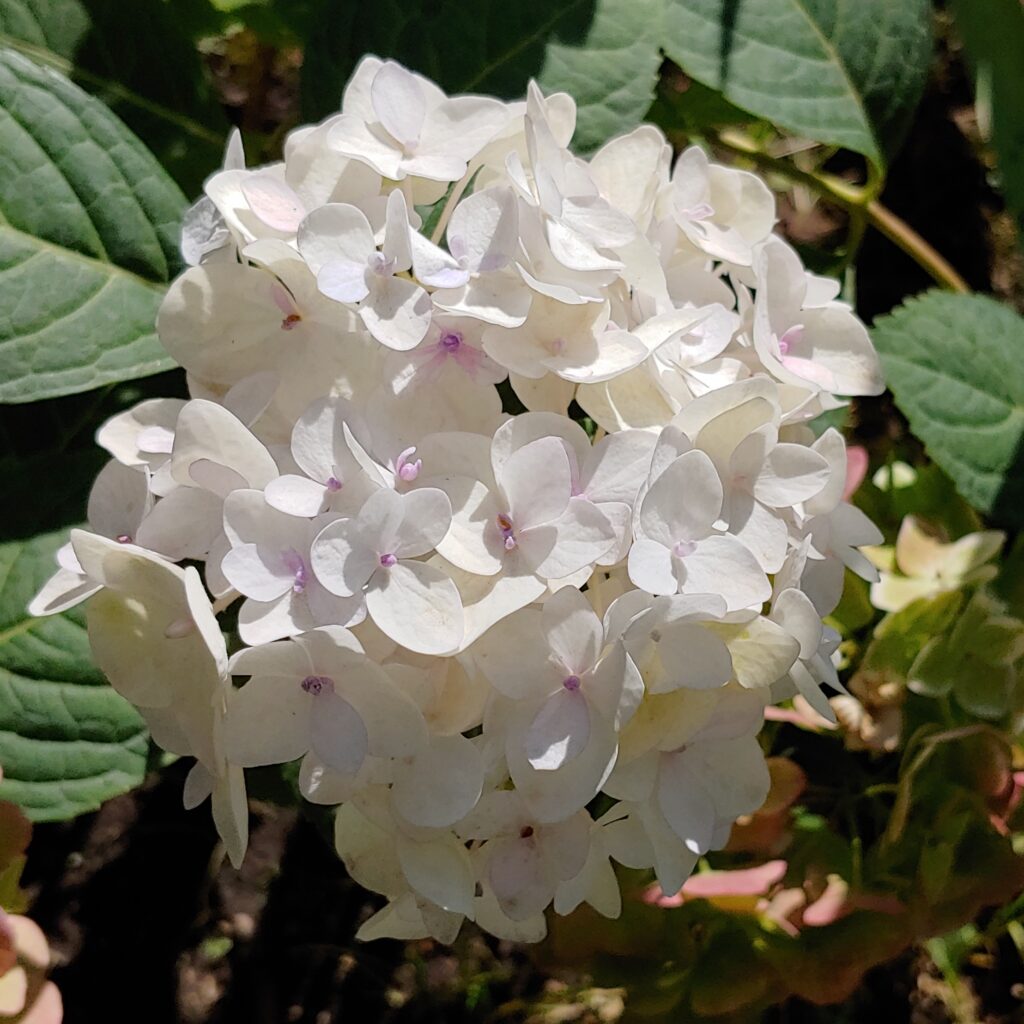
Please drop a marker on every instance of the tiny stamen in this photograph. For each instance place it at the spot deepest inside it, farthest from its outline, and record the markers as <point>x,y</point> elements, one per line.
<point>388,560</point>
<point>290,321</point>
<point>507,530</point>
<point>790,337</point>
<point>683,548</point>
<point>123,538</point>
<point>316,685</point>
<point>451,340</point>
<point>405,469</point>
<point>571,683</point>
<point>295,564</point>
<point>333,484</point>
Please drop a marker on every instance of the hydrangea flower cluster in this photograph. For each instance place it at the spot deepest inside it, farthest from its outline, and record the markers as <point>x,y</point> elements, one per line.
<point>511,648</point>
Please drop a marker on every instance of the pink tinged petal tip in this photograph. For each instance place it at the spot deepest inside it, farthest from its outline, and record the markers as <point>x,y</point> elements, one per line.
<point>405,468</point>
<point>388,560</point>
<point>700,211</point>
<point>316,685</point>
<point>571,683</point>
<point>180,628</point>
<point>790,337</point>
<point>507,531</point>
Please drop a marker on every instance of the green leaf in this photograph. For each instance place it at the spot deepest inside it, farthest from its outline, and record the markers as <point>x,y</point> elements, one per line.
<point>88,239</point>
<point>849,74</point>
<point>54,25</point>
<point>993,31</point>
<point>67,740</point>
<point>954,364</point>
<point>604,52</point>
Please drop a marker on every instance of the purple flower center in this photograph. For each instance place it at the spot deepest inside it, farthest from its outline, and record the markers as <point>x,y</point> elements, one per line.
<point>316,685</point>
<point>507,531</point>
<point>451,340</point>
<point>388,560</point>
<point>571,683</point>
<point>296,565</point>
<point>333,483</point>
<point>406,469</point>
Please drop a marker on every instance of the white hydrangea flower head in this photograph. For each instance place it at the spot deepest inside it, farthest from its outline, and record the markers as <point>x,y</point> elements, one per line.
<point>477,626</point>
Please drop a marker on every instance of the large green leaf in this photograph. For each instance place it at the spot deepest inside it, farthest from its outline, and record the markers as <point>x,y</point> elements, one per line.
<point>54,25</point>
<point>88,239</point>
<point>67,741</point>
<point>847,73</point>
<point>993,31</point>
<point>954,363</point>
<point>604,52</point>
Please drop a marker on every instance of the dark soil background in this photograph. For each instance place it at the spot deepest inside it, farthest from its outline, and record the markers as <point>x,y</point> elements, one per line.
<point>150,925</point>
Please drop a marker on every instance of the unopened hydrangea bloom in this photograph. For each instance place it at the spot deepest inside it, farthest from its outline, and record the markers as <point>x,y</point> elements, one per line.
<point>467,624</point>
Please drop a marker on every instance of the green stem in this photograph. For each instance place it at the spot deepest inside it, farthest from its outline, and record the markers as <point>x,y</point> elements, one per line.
<point>857,201</point>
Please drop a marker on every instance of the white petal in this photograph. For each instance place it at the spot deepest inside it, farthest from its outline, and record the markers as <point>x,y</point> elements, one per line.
<point>440,871</point>
<point>792,473</point>
<point>651,568</point>
<point>724,566</point>
<point>441,784</point>
<point>536,481</point>
<point>686,804</point>
<point>267,721</point>
<point>583,536</point>
<point>684,502</point>
<point>426,517</point>
<point>397,313</point>
<point>399,103</point>
<point>418,606</point>
<point>559,732</point>
<point>336,233</point>
<point>296,495</point>
<point>338,734</point>
<point>573,630</point>
<point>342,559</point>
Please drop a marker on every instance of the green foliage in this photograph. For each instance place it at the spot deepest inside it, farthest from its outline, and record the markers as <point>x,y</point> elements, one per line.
<point>800,63</point>
<point>993,31</point>
<point>55,25</point>
<point>88,240</point>
<point>67,741</point>
<point>953,363</point>
<point>605,52</point>
<point>846,74</point>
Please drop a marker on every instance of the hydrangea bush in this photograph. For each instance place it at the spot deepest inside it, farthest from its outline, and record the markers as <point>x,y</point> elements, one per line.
<point>496,501</point>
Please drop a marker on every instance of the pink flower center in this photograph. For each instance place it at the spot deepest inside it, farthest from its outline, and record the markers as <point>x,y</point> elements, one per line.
<point>406,469</point>
<point>123,538</point>
<point>790,338</point>
<point>451,341</point>
<point>571,683</point>
<point>388,560</point>
<point>683,548</point>
<point>333,484</point>
<point>507,531</point>
<point>315,685</point>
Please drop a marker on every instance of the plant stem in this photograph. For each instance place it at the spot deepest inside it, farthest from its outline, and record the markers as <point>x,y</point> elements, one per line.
<point>855,200</point>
